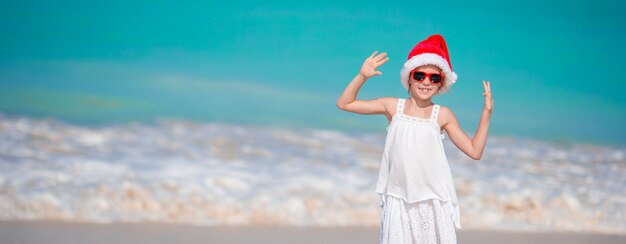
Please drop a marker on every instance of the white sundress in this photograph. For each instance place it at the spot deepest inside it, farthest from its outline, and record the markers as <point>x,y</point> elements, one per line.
<point>417,195</point>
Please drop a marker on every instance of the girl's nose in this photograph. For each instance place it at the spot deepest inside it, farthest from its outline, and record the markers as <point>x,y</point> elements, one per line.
<point>426,79</point>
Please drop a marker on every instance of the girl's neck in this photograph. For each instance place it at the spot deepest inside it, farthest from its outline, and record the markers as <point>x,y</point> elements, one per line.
<point>421,103</point>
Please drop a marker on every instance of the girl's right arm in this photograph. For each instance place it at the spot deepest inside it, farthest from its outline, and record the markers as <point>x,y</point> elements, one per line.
<point>348,102</point>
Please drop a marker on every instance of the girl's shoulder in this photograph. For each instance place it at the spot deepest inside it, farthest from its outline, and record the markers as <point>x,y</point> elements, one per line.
<point>389,102</point>
<point>444,110</point>
<point>389,99</point>
<point>445,113</point>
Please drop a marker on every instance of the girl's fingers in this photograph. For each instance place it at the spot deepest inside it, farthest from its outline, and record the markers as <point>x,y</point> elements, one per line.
<point>487,86</point>
<point>382,62</point>
<point>380,57</point>
<point>373,54</point>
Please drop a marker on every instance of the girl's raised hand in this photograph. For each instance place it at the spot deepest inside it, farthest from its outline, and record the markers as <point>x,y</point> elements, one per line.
<point>488,97</point>
<point>368,69</point>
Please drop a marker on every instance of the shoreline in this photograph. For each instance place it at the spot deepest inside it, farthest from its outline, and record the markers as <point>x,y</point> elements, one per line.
<point>75,232</point>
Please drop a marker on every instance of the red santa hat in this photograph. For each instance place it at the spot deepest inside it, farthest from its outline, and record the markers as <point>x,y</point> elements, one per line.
<point>431,51</point>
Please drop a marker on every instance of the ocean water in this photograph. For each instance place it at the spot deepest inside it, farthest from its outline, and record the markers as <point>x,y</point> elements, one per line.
<point>282,63</point>
<point>179,171</point>
<point>216,113</point>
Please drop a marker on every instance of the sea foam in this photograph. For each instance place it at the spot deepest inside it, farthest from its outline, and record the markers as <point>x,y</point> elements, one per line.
<point>220,174</point>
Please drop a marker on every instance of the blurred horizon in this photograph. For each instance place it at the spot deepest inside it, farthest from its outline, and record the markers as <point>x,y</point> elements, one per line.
<point>283,63</point>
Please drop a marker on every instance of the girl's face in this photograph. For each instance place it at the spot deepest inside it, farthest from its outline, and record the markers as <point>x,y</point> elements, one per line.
<point>425,89</point>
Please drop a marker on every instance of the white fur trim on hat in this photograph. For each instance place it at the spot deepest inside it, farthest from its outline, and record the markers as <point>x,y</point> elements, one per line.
<point>426,59</point>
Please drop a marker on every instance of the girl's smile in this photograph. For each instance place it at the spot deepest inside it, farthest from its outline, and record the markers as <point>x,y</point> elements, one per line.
<point>425,90</point>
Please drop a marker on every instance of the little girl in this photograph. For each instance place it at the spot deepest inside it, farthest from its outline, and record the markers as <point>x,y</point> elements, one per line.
<point>418,198</point>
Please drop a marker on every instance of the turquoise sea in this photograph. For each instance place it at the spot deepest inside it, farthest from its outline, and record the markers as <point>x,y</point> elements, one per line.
<point>554,65</point>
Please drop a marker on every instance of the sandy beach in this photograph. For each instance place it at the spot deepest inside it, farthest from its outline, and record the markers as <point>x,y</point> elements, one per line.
<point>66,232</point>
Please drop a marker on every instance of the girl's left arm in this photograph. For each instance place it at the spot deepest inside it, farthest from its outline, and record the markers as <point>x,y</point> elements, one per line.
<point>471,147</point>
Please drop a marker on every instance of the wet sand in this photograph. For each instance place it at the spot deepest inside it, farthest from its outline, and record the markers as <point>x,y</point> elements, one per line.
<point>64,232</point>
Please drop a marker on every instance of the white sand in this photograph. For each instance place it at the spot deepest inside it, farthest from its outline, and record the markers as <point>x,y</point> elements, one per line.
<point>62,232</point>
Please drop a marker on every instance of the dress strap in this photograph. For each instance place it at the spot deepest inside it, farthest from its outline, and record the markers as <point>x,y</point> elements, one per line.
<point>435,113</point>
<point>400,107</point>
<point>433,118</point>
